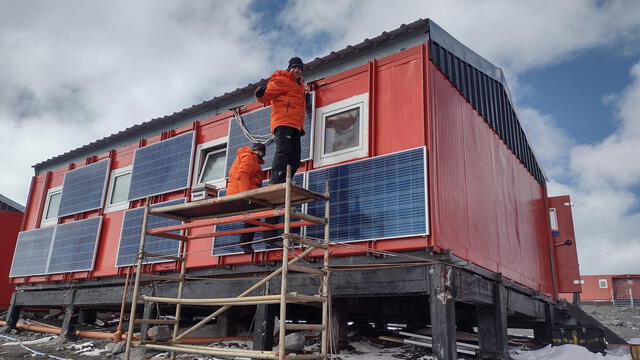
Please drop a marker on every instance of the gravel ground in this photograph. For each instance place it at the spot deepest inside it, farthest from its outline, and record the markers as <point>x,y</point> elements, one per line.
<point>624,321</point>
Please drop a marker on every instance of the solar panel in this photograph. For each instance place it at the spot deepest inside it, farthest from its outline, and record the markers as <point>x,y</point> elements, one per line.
<point>32,252</point>
<point>258,122</point>
<point>74,246</point>
<point>83,188</point>
<point>162,167</point>
<point>221,241</point>
<point>132,229</point>
<point>375,198</point>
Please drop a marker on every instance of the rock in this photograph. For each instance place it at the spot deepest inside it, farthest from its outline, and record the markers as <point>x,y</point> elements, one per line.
<point>294,342</point>
<point>118,348</point>
<point>109,347</point>
<point>159,333</point>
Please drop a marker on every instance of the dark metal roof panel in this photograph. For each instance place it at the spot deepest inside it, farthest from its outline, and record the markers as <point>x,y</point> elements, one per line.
<point>8,204</point>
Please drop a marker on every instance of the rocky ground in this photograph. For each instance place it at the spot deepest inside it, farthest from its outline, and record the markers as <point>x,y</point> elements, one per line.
<point>624,321</point>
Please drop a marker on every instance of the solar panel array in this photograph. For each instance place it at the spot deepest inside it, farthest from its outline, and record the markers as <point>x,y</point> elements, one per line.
<point>132,229</point>
<point>375,198</point>
<point>83,188</point>
<point>223,241</point>
<point>258,123</point>
<point>32,252</point>
<point>162,167</point>
<point>74,246</point>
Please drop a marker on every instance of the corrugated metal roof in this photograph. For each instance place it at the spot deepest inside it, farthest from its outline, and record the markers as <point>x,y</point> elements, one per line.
<point>349,51</point>
<point>12,205</point>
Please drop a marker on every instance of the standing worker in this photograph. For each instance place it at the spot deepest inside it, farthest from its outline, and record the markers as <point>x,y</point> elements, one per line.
<point>285,92</point>
<point>246,174</point>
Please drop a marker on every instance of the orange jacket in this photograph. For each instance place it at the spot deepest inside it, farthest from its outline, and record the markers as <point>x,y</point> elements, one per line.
<point>287,100</point>
<point>245,173</point>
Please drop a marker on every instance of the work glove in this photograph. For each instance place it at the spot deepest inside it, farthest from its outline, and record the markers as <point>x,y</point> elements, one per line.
<point>260,91</point>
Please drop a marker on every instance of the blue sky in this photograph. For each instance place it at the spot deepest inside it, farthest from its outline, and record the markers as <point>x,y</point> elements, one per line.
<point>72,72</point>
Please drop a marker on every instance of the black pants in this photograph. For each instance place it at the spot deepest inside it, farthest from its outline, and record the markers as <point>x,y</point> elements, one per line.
<point>287,153</point>
<point>247,237</point>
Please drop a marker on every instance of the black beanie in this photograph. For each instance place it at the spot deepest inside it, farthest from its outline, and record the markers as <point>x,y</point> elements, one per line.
<point>259,146</point>
<point>295,61</point>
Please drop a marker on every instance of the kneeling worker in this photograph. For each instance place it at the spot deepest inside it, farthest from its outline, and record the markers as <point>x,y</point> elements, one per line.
<point>246,174</point>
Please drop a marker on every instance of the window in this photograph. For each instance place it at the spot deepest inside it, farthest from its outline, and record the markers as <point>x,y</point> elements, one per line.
<point>117,196</point>
<point>554,219</point>
<point>342,131</point>
<point>629,282</point>
<point>602,283</point>
<point>51,205</point>
<point>211,158</point>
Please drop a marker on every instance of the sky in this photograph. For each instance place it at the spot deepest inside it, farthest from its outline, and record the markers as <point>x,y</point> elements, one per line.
<point>72,72</point>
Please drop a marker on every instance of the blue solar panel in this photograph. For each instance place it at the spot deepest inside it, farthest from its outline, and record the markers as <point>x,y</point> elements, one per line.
<point>162,167</point>
<point>74,246</point>
<point>83,188</point>
<point>258,123</point>
<point>32,252</point>
<point>132,229</point>
<point>380,197</point>
<point>220,241</point>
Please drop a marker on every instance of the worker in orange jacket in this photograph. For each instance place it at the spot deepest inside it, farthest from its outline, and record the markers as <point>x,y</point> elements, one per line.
<point>246,174</point>
<point>285,92</point>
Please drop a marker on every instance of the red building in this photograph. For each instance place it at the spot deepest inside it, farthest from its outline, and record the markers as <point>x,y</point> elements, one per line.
<point>10,219</point>
<point>621,289</point>
<point>429,158</point>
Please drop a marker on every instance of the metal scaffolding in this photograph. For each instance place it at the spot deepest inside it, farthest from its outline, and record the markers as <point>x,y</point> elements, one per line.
<point>250,207</point>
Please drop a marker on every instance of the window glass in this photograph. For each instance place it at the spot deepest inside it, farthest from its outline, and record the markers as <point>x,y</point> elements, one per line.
<point>342,131</point>
<point>554,219</point>
<point>120,190</point>
<point>213,167</point>
<point>54,204</point>
<point>602,283</point>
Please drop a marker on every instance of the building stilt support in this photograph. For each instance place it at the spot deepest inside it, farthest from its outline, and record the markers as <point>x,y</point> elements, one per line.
<point>492,326</point>
<point>13,315</point>
<point>263,332</point>
<point>443,313</point>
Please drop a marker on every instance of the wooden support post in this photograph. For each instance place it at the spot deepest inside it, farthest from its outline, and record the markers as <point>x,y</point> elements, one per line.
<point>148,312</point>
<point>183,271</point>
<point>13,315</point>
<point>442,312</point>
<point>492,326</point>
<point>69,324</point>
<point>87,316</point>
<point>263,333</point>
<point>338,331</point>
<point>265,320</point>
<point>542,332</point>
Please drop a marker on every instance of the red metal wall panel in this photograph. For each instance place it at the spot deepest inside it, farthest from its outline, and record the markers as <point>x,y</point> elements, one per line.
<point>488,208</point>
<point>567,270</point>
<point>9,227</point>
<point>591,290</point>
<point>626,287</point>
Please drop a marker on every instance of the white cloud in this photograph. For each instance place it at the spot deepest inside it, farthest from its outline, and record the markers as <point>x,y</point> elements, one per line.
<point>74,72</point>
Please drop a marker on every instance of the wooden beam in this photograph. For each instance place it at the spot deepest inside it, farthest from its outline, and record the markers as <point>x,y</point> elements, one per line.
<point>443,313</point>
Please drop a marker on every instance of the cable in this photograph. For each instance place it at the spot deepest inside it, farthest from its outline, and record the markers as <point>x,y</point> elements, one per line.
<point>31,350</point>
<point>262,139</point>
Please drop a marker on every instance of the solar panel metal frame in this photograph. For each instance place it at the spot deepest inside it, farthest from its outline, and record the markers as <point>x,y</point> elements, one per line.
<point>153,260</point>
<point>302,229</point>
<point>95,246</point>
<point>312,95</point>
<point>104,188</point>
<point>189,178</point>
<point>426,193</point>
<point>53,231</point>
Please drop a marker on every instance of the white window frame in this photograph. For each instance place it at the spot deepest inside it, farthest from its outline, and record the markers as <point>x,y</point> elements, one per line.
<point>201,152</point>
<point>44,222</point>
<point>553,219</point>
<point>360,102</point>
<point>602,281</point>
<point>123,205</point>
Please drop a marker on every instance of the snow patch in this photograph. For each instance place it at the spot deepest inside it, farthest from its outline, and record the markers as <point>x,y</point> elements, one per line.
<point>32,342</point>
<point>564,352</point>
